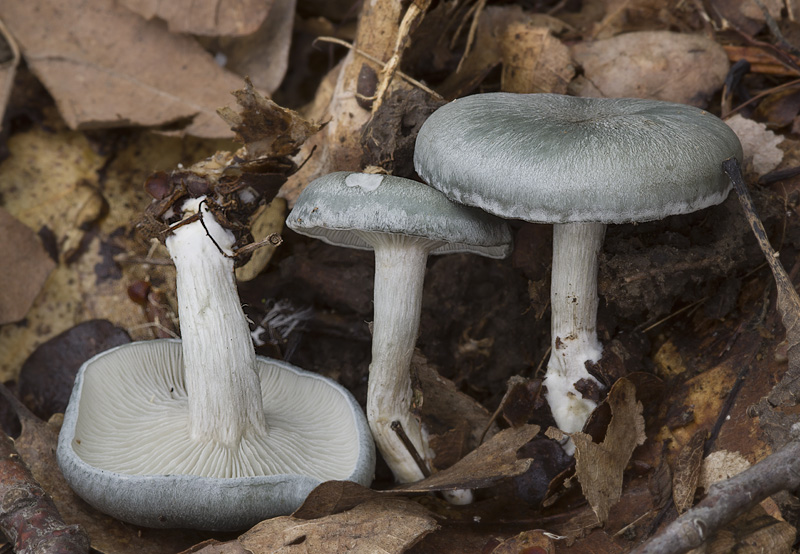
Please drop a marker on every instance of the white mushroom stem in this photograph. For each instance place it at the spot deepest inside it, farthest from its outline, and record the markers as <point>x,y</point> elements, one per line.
<point>223,389</point>
<point>573,298</point>
<point>399,275</point>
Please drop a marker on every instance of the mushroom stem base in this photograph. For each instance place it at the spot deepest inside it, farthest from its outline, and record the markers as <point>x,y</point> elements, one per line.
<point>574,301</point>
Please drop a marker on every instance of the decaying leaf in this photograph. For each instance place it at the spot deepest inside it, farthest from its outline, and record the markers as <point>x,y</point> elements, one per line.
<point>107,67</point>
<point>24,270</point>
<point>493,461</point>
<point>387,526</point>
<point>266,129</point>
<point>686,475</point>
<point>721,465</point>
<point>599,467</point>
<point>651,64</point>
<point>205,17</point>
<point>759,145</point>
<point>528,541</point>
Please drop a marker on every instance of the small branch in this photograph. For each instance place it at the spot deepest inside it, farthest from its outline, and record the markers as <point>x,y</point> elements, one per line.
<point>375,60</point>
<point>28,516</point>
<point>729,499</point>
<point>397,427</point>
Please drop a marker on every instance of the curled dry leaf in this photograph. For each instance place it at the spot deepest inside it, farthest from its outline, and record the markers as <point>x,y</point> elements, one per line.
<point>205,17</point>
<point>107,67</point>
<point>389,526</point>
<point>651,64</point>
<point>265,128</point>
<point>599,467</point>
<point>528,541</point>
<point>24,270</point>
<point>491,462</point>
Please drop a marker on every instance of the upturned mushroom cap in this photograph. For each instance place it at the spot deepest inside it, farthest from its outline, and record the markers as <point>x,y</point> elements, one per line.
<point>550,158</point>
<point>335,205</point>
<point>125,448</point>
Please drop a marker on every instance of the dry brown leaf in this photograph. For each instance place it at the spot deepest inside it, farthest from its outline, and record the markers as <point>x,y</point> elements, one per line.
<point>333,497</point>
<point>37,446</point>
<point>9,60</point>
<point>534,60</point>
<point>24,270</point>
<point>687,472</point>
<point>205,17</point>
<point>493,461</point>
<point>263,56</point>
<point>527,541</point>
<point>599,467</point>
<point>266,129</point>
<point>651,64</point>
<point>387,526</point>
<point>107,67</point>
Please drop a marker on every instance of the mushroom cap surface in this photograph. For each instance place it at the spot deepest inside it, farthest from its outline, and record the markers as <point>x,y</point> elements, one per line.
<point>124,444</point>
<point>550,158</point>
<point>332,207</point>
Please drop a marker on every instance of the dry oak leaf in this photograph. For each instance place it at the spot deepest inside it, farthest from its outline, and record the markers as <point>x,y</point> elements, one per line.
<point>388,526</point>
<point>25,268</point>
<point>660,65</point>
<point>107,67</point>
<point>205,17</point>
<point>599,467</point>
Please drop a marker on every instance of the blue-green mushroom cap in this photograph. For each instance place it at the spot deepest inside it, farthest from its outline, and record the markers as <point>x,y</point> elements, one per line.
<point>339,207</point>
<point>551,158</point>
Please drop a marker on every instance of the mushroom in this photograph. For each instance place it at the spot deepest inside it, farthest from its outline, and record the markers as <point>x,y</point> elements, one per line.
<point>579,163</point>
<point>202,433</point>
<point>403,221</point>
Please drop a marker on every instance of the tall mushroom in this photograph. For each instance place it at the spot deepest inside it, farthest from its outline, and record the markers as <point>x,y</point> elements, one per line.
<point>203,433</point>
<point>579,163</point>
<point>403,221</point>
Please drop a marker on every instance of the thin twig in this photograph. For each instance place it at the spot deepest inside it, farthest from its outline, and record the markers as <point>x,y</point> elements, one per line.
<point>375,60</point>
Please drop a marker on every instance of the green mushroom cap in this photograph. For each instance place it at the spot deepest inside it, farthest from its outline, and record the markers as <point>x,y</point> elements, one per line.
<point>339,207</point>
<point>550,158</point>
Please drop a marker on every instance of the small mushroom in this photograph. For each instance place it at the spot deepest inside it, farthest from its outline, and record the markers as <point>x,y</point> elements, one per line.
<point>202,433</point>
<point>580,163</point>
<point>403,221</point>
